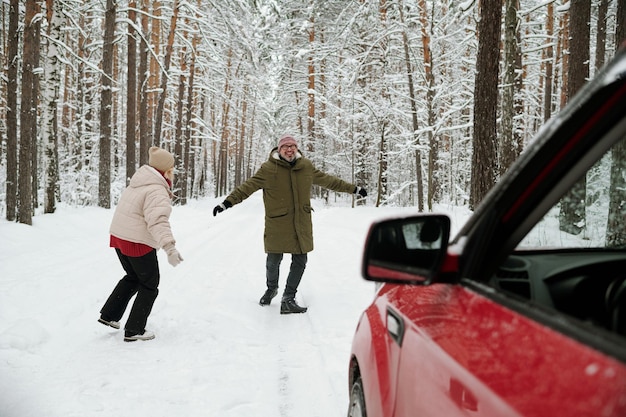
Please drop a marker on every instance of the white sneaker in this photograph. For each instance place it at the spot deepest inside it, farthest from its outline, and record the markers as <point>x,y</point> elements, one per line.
<point>146,335</point>
<point>112,323</point>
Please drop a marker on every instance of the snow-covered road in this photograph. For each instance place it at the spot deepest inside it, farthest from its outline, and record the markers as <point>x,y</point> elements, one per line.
<point>217,352</point>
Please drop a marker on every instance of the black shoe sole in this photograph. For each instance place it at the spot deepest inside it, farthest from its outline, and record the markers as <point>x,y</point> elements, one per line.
<point>131,339</point>
<point>106,323</point>
<point>293,312</point>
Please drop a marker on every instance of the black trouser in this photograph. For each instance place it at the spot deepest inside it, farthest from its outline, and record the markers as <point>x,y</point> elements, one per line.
<point>272,268</point>
<point>142,278</point>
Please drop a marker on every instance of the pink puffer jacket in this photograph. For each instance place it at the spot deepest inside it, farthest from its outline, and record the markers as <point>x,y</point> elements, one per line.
<point>143,212</point>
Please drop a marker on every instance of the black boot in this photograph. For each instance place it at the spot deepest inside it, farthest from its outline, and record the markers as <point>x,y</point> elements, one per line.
<point>267,297</point>
<point>289,306</point>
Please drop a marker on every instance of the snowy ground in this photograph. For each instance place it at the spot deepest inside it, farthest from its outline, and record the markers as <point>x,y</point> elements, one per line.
<point>217,352</point>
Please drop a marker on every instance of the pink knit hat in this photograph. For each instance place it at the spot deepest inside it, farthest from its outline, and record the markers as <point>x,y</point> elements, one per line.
<point>286,140</point>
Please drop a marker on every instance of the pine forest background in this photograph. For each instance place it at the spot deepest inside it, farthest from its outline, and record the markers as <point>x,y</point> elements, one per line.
<point>420,102</point>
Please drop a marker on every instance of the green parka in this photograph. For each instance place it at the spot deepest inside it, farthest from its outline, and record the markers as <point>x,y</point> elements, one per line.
<point>287,198</point>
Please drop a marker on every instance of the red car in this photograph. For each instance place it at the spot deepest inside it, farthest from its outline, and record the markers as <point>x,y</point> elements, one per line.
<point>523,313</point>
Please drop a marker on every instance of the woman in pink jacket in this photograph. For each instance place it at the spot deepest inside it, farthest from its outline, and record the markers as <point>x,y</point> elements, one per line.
<point>139,228</point>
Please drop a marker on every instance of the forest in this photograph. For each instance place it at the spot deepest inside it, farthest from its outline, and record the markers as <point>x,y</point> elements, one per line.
<point>420,102</point>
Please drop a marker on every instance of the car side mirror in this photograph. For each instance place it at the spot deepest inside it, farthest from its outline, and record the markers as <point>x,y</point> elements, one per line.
<point>408,250</point>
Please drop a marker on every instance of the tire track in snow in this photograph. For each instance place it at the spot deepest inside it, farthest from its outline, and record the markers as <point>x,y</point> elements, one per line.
<point>302,368</point>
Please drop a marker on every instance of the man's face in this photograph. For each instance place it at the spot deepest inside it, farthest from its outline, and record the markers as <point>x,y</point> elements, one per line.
<point>288,152</point>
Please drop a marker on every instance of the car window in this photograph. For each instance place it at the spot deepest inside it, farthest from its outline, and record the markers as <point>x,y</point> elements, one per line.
<point>574,260</point>
<point>590,215</point>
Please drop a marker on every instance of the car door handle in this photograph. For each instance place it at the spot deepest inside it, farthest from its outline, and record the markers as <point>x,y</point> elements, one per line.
<point>395,326</point>
<point>462,396</point>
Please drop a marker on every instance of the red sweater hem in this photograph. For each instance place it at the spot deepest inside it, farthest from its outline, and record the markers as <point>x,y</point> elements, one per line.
<point>131,249</point>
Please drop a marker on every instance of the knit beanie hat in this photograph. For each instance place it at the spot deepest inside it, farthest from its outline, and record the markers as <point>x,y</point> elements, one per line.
<point>160,159</point>
<point>286,140</point>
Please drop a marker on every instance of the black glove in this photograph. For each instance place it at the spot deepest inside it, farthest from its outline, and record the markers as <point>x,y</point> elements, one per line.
<point>360,191</point>
<point>221,207</point>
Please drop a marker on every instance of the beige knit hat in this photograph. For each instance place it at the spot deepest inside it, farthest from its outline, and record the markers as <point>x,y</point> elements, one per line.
<point>160,159</point>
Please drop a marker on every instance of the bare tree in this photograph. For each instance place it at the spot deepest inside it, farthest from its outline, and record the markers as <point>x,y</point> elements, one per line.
<point>549,63</point>
<point>11,112</point>
<point>603,6</point>
<point>311,87</point>
<point>153,65</point>
<point>179,139</point>
<point>433,144</point>
<point>382,187</point>
<point>572,208</point>
<point>221,165</point>
<point>189,124</point>
<point>106,107</point>
<point>510,144</point>
<point>620,24</point>
<point>415,124</point>
<point>51,100</point>
<point>616,227</point>
<point>28,113</point>
<point>158,120</point>
<point>563,53</point>
<point>145,127</point>
<point>131,92</point>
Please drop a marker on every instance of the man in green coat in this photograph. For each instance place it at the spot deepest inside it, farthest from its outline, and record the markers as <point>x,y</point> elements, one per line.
<point>286,179</point>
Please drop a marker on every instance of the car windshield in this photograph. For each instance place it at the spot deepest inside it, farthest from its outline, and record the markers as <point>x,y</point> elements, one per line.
<point>591,214</point>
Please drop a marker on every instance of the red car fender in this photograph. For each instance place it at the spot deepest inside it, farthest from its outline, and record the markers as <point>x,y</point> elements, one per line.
<point>371,349</point>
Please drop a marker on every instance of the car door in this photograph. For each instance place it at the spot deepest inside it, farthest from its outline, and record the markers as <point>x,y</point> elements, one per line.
<point>447,341</point>
<point>466,354</point>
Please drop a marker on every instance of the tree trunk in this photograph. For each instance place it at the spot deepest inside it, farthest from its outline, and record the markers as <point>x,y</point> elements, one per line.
<point>153,67</point>
<point>158,119</point>
<point>564,39</point>
<point>106,107</point>
<point>510,143</point>
<point>179,139</point>
<point>382,168</point>
<point>572,214</point>
<point>222,158</point>
<point>189,125</point>
<point>240,175</point>
<point>382,183</point>
<point>311,89</point>
<point>11,111</point>
<point>616,227</point>
<point>28,113</point>
<point>145,131</point>
<point>51,98</point>
<point>603,6</point>
<point>549,60</point>
<point>414,124</point>
<point>484,157</point>
<point>433,145</point>
<point>131,93</point>
<point>620,24</point>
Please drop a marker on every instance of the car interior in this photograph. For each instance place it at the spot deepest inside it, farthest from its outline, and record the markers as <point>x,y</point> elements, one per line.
<point>573,269</point>
<point>587,285</point>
